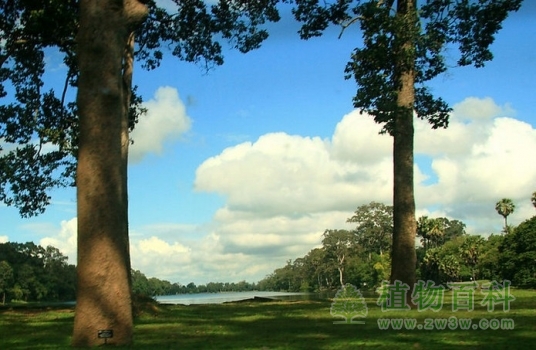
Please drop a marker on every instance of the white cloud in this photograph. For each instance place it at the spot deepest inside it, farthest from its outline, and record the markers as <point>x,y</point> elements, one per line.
<point>4,239</point>
<point>166,120</point>
<point>64,240</point>
<point>291,175</point>
<point>356,139</point>
<point>156,257</point>
<point>282,191</point>
<point>476,109</point>
<point>482,157</point>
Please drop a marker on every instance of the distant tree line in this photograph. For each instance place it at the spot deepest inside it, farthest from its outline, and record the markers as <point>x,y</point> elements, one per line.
<point>153,286</point>
<point>446,253</point>
<point>29,272</point>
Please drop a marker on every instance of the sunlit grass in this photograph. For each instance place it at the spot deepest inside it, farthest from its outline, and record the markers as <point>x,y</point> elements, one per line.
<point>279,325</point>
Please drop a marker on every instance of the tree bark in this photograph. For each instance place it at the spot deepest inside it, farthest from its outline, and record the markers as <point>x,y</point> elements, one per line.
<point>103,300</point>
<point>403,250</point>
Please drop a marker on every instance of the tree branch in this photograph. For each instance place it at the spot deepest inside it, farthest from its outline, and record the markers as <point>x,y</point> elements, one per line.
<point>347,24</point>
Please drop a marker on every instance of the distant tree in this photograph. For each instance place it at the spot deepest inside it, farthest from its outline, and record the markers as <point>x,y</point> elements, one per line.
<point>214,287</point>
<point>471,251</point>
<point>438,267</point>
<point>338,244</point>
<point>452,229</point>
<point>39,273</point>
<point>505,207</point>
<point>404,45</point>
<point>433,231</point>
<point>191,287</point>
<point>28,279</point>
<point>314,262</point>
<point>437,231</point>
<point>488,264</point>
<point>533,199</point>
<point>423,224</point>
<point>443,264</point>
<point>59,277</point>
<point>374,228</point>
<point>6,279</point>
<point>140,283</point>
<point>281,279</point>
<point>518,254</point>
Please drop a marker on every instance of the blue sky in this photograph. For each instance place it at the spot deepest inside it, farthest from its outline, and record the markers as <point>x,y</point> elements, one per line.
<point>237,170</point>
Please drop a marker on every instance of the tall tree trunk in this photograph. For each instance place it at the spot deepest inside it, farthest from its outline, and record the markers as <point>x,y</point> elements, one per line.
<point>103,300</point>
<point>405,227</point>
<point>340,267</point>
<point>341,271</point>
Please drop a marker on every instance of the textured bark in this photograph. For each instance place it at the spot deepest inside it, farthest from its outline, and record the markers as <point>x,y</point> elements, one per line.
<point>405,226</point>
<point>103,270</point>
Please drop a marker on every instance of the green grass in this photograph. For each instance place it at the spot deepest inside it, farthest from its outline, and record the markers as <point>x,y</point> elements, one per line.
<point>277,325</point>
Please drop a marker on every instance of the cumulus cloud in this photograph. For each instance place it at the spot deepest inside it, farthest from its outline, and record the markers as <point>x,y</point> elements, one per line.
<point>291,175</point>
<point>482,157</point>
<point>477,109</point>
<point>157,254</point>
<point>4,239</point>
<point>64,240</point>
<point>166,120</point>
<point>282,191</point>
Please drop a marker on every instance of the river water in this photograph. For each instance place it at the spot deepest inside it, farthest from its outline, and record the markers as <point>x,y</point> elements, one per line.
<point>218,298</point>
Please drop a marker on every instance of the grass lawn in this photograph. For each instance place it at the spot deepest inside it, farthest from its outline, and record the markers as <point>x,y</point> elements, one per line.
<point>281,325</point>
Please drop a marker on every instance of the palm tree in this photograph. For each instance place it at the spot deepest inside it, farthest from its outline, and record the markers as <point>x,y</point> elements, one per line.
<point>471,249</point>
<point>505,207</point>
<point>437,231</point>
<point>431,230</point>
<point>423,229</point>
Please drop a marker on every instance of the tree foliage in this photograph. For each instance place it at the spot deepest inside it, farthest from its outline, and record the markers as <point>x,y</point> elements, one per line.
<point>518,254</point>
<point>48,137</point>
<point>451,256</point>
<point>404,46</point>
<point>376,66</point>
<point>374,228</point>
<point>39,124</point>
<point>30,272</point>
<point>435,232</point>
<point>471,251</point>
<point>338,245</point>
<point>504,208</point>
<point>33,117</point>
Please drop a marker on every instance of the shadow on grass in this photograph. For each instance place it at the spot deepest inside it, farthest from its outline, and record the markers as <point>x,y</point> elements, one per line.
<point>276,325</point>
<point>309,325</point>
<point>32,327</point>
